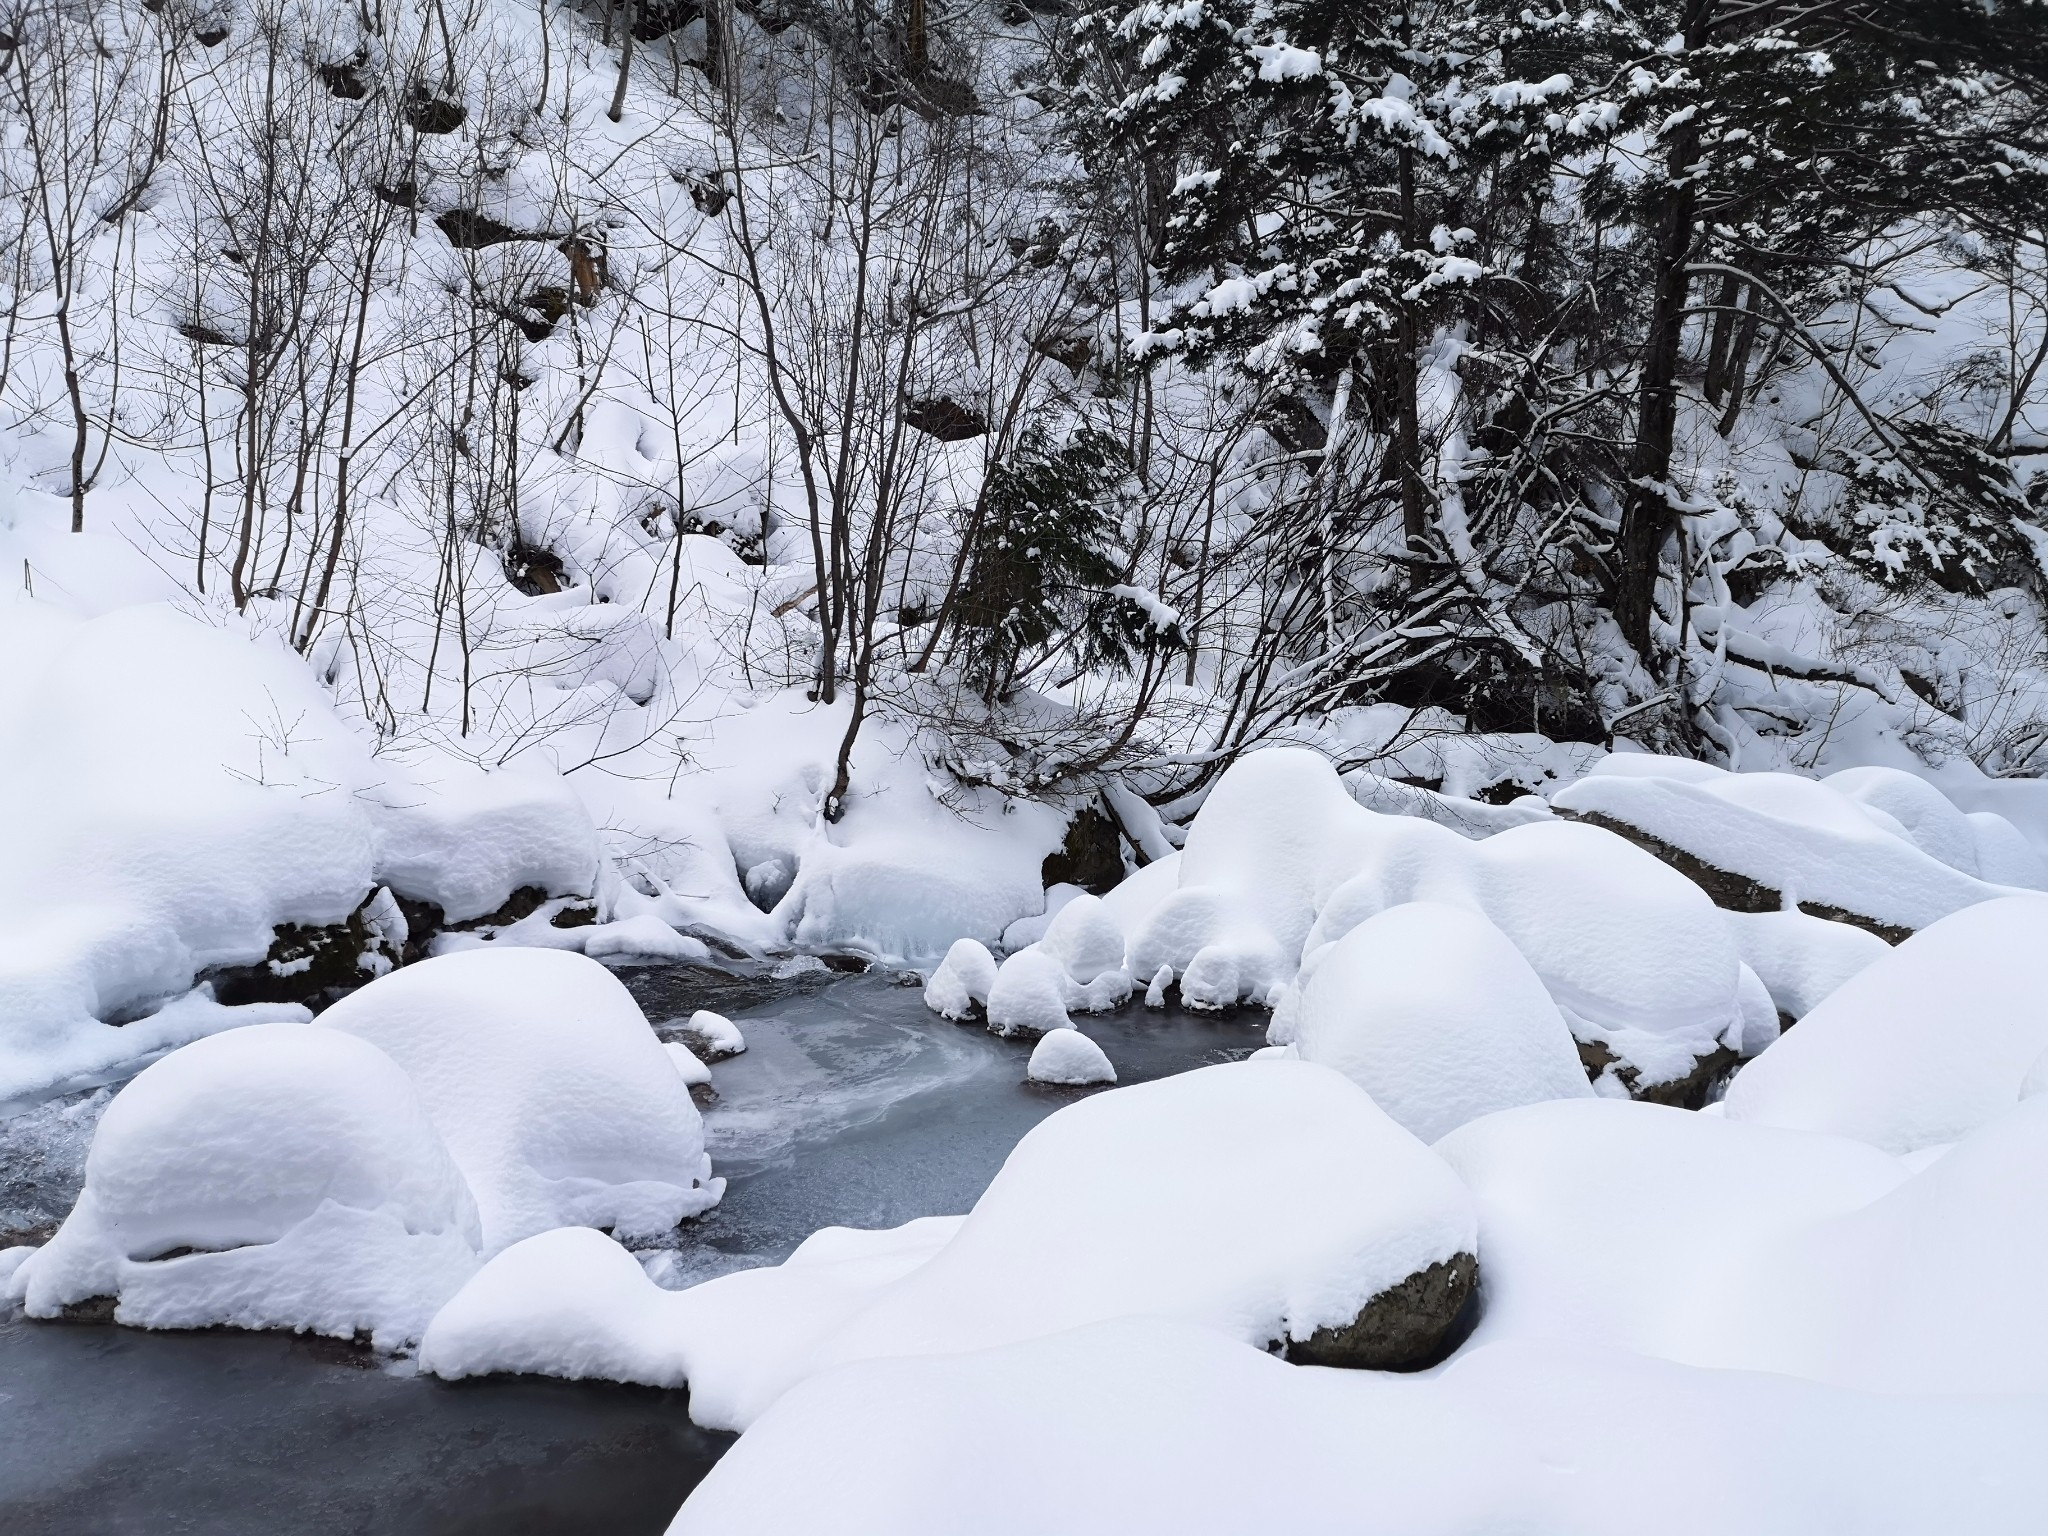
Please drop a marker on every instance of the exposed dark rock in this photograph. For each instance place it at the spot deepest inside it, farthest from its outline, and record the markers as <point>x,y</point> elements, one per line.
<point>469,229</point>
<point>427,113</point>
<point>94,1309</point>
<point>1690,1091</point>
<point>28,1237</point>
<point>210,34</point>
<point>349,79</point>
<point>309,964</point>
<point>205,335</point>
<point>403,193</point>
<point>1072,351</point>
<point>846,965</point>
<point>1730,891</point>
<point>1407,1327</point>
<point>947,420</point>
<point>535,571</point>
<point>707,190</point>
<point>1090,857</point>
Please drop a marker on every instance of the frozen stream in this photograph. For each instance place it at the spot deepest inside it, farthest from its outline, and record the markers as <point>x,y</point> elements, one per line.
<point>853,1105</point>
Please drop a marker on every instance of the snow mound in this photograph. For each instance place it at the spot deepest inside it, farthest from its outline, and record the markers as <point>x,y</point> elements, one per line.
<point>275,1176</point>
<point>1982,843</point>
<point>1267,1200</point>
<point>1431,1010</point>
<point>1922,1046</point>
<point>643,937</point>
<point>1069,1059</point>
<point>1802,959</point>
<point>570,1302</point>
<point>552,1092</point>
<point>1140,1425</point>
<point>962,981</point>
<point>1761,841</point>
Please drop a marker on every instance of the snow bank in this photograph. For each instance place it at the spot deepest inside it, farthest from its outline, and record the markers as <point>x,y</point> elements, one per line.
<point>1434,1013</point>
<point>1142,1425</point>
<point>570,1302</point>
<point>1085,939</point>
<point>1774,839</point>
<point>1068,1058</point>
<point>1268,1200</point>
<point>1922,1046</point>
<point>552,1092</point>
<point>177,792</point>
<point>277,1176</point>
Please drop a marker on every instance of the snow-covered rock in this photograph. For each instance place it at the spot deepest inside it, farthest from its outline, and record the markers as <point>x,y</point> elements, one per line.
<point>568,1302</point>
<point>1069,1059</point>
<point>275,1176</point>
<point>1029,996</point>
<point>1760,841</point>
<point>962,981</point>
<point>715,1035</point>
<point>1085,939</point>
<point>692,1071</point>
<point>552,1092</point>
<point>1434,1013</point>
<point>1280,862</point>
<point>1923,1045</point>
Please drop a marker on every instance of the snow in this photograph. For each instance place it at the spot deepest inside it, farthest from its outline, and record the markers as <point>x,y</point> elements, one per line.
<point>1142,1425</point>
<point>1069,1059</point>
<point>1431,1010</point>
<point>645,937</point>
<point>274,1176</point>
<point>556,1099</point>
<point>1263,1199</point>
<point>1801,839</point>
<point>1922,1046</point>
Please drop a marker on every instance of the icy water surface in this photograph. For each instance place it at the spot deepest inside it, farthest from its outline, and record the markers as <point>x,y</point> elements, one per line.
<point>853,1105</point>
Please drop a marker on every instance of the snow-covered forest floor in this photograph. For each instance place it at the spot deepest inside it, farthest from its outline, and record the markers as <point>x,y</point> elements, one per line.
<point>1213,506</point>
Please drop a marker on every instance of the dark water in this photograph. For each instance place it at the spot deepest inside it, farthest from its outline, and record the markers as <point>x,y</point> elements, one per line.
<point>852,1105</point>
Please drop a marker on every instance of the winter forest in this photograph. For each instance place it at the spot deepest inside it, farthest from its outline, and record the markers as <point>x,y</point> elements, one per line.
<point>1208,766</point>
